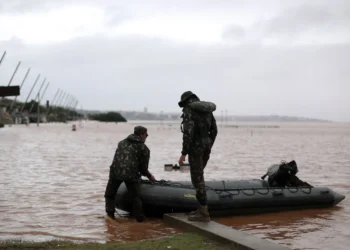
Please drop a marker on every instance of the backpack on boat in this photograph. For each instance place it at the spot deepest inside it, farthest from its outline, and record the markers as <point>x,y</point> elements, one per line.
<point>282,174</point>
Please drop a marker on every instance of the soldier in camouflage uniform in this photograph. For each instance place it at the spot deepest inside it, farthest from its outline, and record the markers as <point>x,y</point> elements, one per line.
<point>130,162</point>
<point>199,134</point>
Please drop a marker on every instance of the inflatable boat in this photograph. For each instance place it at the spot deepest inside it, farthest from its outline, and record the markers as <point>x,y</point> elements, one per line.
<point>227,197</point>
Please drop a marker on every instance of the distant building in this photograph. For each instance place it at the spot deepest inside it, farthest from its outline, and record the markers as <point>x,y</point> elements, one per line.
<point>145,110</point>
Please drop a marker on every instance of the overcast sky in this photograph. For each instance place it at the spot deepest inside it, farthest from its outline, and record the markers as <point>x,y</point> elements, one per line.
<point>249,57</point>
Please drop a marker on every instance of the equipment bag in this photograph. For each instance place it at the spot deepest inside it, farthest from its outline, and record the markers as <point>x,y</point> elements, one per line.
<point>279,175</point>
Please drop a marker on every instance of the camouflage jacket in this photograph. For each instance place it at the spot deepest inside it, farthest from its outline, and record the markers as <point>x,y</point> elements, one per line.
<point>199,127</point>
<point>130,159</point>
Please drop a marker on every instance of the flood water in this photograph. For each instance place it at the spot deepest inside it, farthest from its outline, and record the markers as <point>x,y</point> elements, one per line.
<point>53,180</point>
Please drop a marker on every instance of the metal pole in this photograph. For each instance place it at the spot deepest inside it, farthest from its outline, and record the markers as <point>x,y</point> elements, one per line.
<point>2,57</point>
<point>14,73</point>
<point>37,95</point>
<point>30,92</point>
<point>75,114</point>
<point>38,115</point>
<point>24,79</point>
<point>54,106</point>
<point>71,105</point>
<point>75,110</point>
<point>70,100</point>
<point>76,105</point>
<point>65,101</point>
<point>58,98</point>
<point>42,96</point>
<point>59,101</point>
<point>63,97</point>
<point>58,104</point>
<point>53,100</point>
<point>64,104</point>
<point>67,104</point>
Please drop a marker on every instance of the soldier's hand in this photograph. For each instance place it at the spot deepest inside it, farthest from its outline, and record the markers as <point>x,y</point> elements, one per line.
<point>182,159</point>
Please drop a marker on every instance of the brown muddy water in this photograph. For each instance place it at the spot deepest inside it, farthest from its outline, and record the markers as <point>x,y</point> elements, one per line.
<point>52,180</point>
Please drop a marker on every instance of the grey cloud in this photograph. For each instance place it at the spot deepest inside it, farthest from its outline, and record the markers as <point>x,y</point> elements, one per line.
<point>115,11</point>
<point>117,15</point>
<point>317,16</point>
<point>234,32</point>
<point>30,5</point>
<point>19,6</point>
<point>140,6</point>
<point>133,72</point>
<point>323,21</point>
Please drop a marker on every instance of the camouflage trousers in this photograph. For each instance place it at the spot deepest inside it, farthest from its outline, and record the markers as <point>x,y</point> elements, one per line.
<point>197,165</point>
<point>134,190</point>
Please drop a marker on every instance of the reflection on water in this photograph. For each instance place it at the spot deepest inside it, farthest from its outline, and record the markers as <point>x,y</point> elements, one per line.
<point>128,230</point>
<point>290,228</point>
<point>52,180</point>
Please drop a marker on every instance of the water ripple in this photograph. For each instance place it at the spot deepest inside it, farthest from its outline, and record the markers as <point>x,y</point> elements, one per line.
<point>53,180</point>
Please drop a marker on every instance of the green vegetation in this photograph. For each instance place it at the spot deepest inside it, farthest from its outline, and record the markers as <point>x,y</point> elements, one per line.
<point>177,242</point>
<point>107,117</point>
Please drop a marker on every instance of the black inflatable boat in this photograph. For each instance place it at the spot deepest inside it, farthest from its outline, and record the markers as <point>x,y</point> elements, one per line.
<point>227,197</point>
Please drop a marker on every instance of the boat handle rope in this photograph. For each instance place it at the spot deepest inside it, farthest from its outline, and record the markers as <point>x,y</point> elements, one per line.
<point>238,190</point>
<point>268,191</point>
<point>247,193</point>
<point>276,189</point>
<point>296,190</point>
<point>220,191</point>
<point>310,190</point>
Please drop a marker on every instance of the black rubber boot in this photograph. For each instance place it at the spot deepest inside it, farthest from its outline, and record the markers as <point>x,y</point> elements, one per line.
<point>111,215</point>
<point>140,218</point>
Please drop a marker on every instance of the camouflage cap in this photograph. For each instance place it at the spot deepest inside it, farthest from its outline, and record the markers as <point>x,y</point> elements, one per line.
<point>185,96</point>
<point>139,130</point>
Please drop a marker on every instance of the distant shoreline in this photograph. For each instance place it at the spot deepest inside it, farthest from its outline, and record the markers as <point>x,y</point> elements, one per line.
<point>171,116</point>
<point>239,124</point>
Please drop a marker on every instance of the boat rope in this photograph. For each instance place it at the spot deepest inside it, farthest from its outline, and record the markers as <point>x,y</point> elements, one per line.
<point>266,190</point>
<point>248,193</point>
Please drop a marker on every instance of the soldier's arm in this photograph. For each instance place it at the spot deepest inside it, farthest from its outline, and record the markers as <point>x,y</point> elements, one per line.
<point>213,129</point>
<point>144,161</point>
<point>188,132</point>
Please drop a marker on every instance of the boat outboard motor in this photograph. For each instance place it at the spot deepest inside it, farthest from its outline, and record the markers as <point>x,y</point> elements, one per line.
<point>283,175</point>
